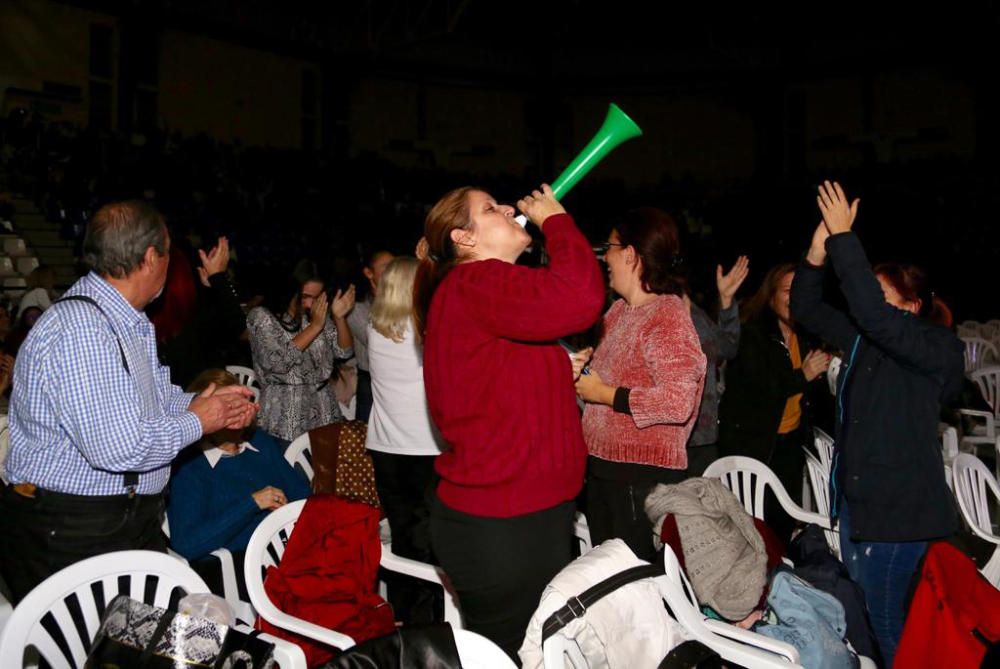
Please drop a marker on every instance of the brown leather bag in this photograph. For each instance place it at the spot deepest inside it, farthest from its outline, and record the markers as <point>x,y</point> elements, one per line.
<point>341,465</point>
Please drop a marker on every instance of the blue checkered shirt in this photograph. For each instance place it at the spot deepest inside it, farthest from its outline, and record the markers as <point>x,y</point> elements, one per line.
<point>78,419</point>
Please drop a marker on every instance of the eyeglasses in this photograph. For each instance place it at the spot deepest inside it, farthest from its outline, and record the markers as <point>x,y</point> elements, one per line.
<point>602,249</point>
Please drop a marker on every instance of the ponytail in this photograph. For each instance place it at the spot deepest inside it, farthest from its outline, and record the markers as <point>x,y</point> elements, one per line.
<point>450,213</point>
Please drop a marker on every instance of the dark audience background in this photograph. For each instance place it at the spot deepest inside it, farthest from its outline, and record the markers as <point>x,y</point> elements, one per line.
<point>276,205</point>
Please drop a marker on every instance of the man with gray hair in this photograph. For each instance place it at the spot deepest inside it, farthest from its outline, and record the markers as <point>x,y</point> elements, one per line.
<point>94,419</point>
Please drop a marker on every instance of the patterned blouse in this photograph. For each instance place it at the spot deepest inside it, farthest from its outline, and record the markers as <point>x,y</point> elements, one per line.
<point>295,390</point>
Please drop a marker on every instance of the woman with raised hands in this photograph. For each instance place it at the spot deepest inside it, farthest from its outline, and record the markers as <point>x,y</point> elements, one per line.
<point>296,338</point>
<point>888,485</point>
<point>500,391</point>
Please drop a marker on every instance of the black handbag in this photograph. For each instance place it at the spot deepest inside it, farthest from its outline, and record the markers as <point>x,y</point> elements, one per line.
<point>412,647</point>
<point>134,634</point>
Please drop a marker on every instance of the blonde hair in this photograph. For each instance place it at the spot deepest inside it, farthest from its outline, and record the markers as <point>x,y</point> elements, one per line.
<point>393,305</point>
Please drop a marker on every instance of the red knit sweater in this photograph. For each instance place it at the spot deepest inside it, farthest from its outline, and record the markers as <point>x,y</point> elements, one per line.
<point>499,389</point>
<point>654,350</point>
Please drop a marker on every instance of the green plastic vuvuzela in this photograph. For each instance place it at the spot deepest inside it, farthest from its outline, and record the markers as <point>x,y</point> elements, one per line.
<point>617,128</point>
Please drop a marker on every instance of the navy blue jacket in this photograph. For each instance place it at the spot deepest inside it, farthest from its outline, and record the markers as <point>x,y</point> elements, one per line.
<point>898,370</point>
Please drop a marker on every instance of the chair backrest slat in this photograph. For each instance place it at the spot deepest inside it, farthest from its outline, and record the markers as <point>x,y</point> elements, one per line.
<point>976,491</point>
<point>299,455</point>
<point>60,617</point>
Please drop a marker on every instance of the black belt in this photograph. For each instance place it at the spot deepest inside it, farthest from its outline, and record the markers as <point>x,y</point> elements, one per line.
<point>87,503</point>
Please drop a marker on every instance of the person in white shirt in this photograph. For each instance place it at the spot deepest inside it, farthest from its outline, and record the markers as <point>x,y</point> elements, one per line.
<point>401,439</point>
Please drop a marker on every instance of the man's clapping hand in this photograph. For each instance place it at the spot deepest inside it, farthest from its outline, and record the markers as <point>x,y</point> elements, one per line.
<point>229,407</point>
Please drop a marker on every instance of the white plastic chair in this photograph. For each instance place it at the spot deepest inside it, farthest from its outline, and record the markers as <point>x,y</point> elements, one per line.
<point>949,449</point>
<point>26,265</point>
<point>748,478</point>
<point>44,618</point>
<point>478,652</point>
<point>230,588</point>
<point>976,489</point>
<point>581,530</point>
<point>967,329</point>
<point>824,447</point>
<point>15,247</point>
<point>819,479</point>
<point>987,379</point>
<point>832,372</point>
<point>740,646</point>
<point>978,352</point>
<point>299,455</point>
<point>736,645</point>
<point>267,545</point>
<point>246,377</point>
<point>7,266</point>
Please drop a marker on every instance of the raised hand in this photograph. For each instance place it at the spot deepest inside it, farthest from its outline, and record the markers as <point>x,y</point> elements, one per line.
<point>730,282</point>
<point>215,261</point>
<point>317,312</point>
<point>540,205</point>
<point>343,302</point>
<point>838,215</point>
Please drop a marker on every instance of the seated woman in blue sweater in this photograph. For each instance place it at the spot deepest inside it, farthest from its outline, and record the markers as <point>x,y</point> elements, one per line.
<point>223,487</point>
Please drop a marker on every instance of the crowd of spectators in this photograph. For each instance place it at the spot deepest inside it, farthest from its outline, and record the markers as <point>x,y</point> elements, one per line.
<point>298,266</point>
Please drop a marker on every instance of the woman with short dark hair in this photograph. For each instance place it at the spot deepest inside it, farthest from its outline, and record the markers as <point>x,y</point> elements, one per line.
<point>644,383</point>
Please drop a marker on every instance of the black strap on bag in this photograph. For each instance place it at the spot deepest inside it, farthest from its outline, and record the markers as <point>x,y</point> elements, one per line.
<point>131,478</point>
<point>577,606</point>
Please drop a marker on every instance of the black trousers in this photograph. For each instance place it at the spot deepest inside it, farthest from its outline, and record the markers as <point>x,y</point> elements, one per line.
<point>500,566</point>
<point>405,486</point>
<point>363,407</point>
<point>50,531</point>
<point>787,462</point>
<point>616,498</point>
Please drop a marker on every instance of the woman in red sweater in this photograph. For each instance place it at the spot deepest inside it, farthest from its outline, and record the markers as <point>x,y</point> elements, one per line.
<point>499,391</point>
<point>645,381</point>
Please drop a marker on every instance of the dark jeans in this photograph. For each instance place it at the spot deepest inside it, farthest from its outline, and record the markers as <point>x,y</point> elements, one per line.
<point>884,571</point>
<point>405,486</point>
<point>616,498</point>
<point>500,566</point>
<point>51,531</point>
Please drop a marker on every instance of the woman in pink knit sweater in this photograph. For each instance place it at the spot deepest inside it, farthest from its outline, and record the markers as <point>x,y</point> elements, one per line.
<point>644,383</point>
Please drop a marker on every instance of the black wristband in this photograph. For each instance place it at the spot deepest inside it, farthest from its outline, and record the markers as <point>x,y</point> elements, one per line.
<point>620,403</point>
